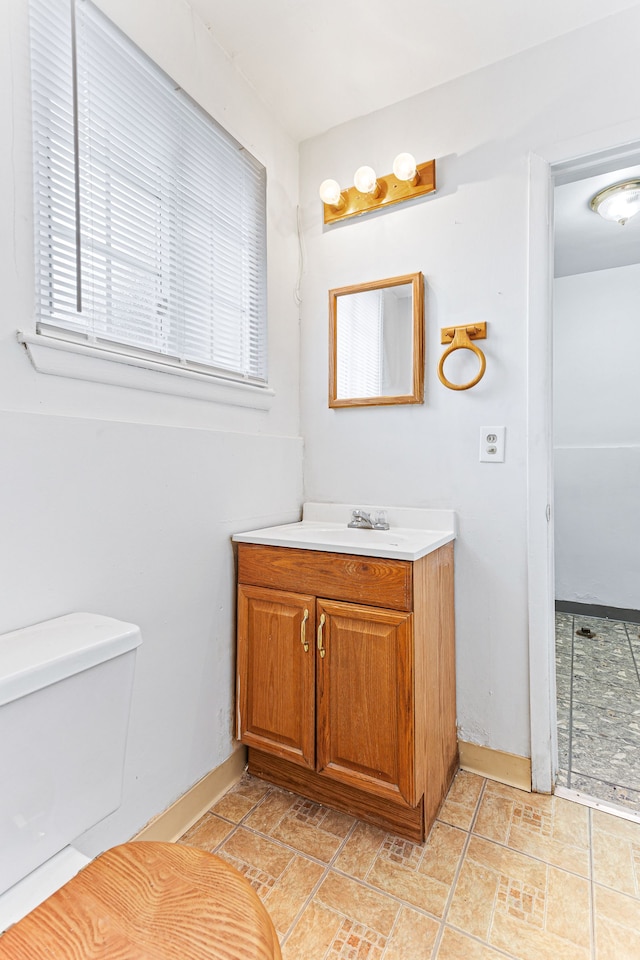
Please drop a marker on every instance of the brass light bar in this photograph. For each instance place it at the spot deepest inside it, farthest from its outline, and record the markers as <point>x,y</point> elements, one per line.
<point>390,190</point>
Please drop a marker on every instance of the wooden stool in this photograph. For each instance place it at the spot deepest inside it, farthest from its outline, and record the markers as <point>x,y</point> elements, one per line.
<point>148,901</point>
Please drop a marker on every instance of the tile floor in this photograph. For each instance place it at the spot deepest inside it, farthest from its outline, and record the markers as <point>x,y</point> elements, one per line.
<point>598,691</point>
<point>503,874</point>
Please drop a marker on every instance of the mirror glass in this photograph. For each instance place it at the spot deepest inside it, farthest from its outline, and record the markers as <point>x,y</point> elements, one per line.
<point>377,343</point>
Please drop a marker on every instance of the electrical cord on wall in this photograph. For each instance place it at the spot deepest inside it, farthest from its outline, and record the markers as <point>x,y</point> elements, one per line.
<point>296,293</point>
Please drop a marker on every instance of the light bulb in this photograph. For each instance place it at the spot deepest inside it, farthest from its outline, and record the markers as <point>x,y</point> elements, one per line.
<point>330,193</point>
<point>619,202</point>
<point>404,167</point>
<point>365,180</point>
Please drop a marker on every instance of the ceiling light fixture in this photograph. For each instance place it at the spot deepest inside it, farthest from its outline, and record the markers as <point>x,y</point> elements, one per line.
<point>370,192</point>
<point>619,202</point>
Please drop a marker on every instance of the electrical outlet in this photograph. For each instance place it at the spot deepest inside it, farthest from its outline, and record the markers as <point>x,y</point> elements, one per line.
<point>492,444</point>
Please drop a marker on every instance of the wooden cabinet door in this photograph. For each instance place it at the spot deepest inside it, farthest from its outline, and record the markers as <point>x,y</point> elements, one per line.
<point>365,699</point>
<point>276,674</point>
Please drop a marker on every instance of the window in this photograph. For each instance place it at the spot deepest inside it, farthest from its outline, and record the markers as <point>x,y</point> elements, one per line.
<point>150,218</point>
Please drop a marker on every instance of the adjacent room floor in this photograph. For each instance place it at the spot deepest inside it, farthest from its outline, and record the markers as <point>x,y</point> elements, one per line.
<point>503,874</point>
<point>598,690</point>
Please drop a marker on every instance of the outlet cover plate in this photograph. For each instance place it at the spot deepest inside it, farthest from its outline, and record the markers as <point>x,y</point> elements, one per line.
<point>492,441</point>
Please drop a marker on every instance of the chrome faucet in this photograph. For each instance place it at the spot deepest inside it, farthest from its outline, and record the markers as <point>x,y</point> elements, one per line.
<point>361,520</point>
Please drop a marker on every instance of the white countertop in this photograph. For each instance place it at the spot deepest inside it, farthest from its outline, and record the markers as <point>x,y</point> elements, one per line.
<point>413,532</point>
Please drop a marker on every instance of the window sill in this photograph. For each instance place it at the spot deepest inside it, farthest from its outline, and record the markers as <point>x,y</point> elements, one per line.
<point>81,361</point>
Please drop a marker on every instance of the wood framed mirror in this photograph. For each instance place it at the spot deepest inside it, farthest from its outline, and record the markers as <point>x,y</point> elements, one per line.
<point>376,342</point>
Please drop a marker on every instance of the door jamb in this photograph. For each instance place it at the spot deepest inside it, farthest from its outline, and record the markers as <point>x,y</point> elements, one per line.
<point>563,161</point>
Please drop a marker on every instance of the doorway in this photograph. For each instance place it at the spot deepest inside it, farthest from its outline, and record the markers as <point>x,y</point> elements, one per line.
<point>596,481</point>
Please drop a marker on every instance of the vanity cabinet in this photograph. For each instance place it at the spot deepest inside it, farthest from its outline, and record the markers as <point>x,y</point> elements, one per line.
<point>346,679</point>
<point>276,673</point>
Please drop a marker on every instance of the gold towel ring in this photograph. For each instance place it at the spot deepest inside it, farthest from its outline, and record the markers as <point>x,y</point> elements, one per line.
<point>460,338</point>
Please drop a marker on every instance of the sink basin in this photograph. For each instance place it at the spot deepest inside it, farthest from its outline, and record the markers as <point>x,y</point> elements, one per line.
<point>400,543</point>
<point>349,535</point>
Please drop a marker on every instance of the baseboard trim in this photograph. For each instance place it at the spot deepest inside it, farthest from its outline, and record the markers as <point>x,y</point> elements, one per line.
<point>187,809</point>
<point>496,765</point>
<point>180,816</point>
<point>597,610</point>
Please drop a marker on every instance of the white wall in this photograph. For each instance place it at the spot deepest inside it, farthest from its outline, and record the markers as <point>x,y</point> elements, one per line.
<point>471,242</point>
<point>597,437</point>
<point>121,501</point>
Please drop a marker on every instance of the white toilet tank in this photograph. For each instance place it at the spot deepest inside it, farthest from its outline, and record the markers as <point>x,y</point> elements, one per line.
<point>65,691</point>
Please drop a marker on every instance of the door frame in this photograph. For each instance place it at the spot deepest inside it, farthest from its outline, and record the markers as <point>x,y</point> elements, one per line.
<point>618,146</point>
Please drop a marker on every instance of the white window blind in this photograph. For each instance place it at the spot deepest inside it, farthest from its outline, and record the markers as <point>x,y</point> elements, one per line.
<point>360,345</point>
<point>150,218</point>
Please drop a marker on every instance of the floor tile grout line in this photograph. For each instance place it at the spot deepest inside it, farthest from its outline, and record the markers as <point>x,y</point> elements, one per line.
<point>592,899</point>
<point>570,746</point>
<point>608,783</point>
<point>267,836</point>
<point>363,882</point>
<point>320,881</point>
<point>599,885</point>
<point>567,668</point>
<point>611,779</point>
<point>330,864</point>
<point>309,856</point>
<point>249,813</point>
<point>288,846</point>
<point>331,868</point>
<point>531,856</point>
<point>635,662</point>
<point>325,866</point>
<point>304,906</point>
<point>611,783</point>
<point>377,853</point>
<point>456,876</point>
<point>323,863</point>
<point>499,950</point>
<point>385,893</point>
<point>345,916</point>
<point>526,853</point>
<point>344,841</point>
<point>391,932</point>
<point>443,922</point>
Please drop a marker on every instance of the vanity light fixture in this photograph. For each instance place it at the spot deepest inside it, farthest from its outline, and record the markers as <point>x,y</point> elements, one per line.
<point>619,202</point>
<point>370,192</point>
<point>404,168</point>
<point>330,194</point>
<point>365,181</point>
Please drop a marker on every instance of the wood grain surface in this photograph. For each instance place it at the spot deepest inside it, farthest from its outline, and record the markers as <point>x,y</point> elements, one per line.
<point>386,745</point>
<point>337,576</point>
<point>276,673</point>
<point>365,700</point>
<point>148,901</point>
<point>435,678</point>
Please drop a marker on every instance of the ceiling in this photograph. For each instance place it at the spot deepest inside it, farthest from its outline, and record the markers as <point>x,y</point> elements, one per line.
<point>317,64</point>
<point>583,240</point>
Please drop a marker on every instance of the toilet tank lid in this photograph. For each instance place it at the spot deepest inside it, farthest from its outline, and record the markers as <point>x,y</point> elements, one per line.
<point>35,657</point>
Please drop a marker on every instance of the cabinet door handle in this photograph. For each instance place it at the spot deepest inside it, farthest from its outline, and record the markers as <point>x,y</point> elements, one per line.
<point>320,627</point>
<point>303,631</point>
